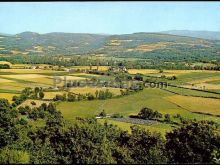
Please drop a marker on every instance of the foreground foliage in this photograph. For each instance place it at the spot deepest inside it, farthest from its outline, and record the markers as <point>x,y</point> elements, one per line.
<point>87,141</point>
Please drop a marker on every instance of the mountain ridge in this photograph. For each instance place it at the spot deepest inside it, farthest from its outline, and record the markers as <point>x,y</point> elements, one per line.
<point>204,34</point>
<point>140,44</point>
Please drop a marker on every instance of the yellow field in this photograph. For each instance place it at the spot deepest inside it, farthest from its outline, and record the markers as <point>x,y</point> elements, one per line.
<point>84,90</point>
<point>43,80</point>
<point>151,47</point>
<point>5,62</point>
<point>18,52</point>
<point>203,86</point>
<point>20,66</point>
<point>143,71</point>
<point>71,78</point>
<point>101,68</point>
<point>5,80</point>
<point>14,86</point>
<point>84,74</point>
<point>204,80</point>
<point>204,83</point>
<point>25,76</point>
<point>8,96</point>
<point>30,71</point>
<point>38,103</point>
<point>190,71</point>
<point>196,104</point>
<point>51,95</point>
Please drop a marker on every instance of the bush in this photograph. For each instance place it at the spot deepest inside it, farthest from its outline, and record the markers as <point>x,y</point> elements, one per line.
<point>11,156</point>
<point>147,113</point>
<point>117,115</point>
<point>167,118</point>
<point>138,77</point>
<point>33,103</point>
<point>103,113</point>
<point>193,142</point>
<point>22,111</point>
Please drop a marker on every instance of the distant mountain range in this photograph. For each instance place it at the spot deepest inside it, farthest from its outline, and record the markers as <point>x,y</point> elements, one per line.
<point>147,45</point>
<point>211,35</point>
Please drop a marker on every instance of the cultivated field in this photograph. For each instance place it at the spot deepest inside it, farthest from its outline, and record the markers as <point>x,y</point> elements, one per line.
<point>101,68</point>
<point>172,100</point>
<point>8,96</point>
<point>197,104</point>
<point>92,90</point>
<point>30,101</point>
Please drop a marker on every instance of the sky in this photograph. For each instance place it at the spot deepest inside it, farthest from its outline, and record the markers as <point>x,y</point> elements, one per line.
<point>108,17</point>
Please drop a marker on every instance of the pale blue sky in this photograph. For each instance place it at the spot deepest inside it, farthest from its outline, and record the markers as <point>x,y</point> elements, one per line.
<point>108,17</point>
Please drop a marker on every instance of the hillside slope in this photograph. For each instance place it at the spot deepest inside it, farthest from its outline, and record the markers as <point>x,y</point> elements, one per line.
<point>144,45</point>
<point>211,35</point>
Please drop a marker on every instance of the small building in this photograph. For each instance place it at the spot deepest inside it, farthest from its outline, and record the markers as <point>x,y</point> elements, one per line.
<point>33,67</point>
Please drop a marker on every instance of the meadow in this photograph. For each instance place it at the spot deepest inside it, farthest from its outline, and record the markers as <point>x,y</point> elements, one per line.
<point>190,104</point>
<point>92,90</point>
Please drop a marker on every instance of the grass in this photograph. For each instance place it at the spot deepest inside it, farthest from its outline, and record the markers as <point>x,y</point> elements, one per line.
<point>197,77</point>
<point>84,90</point>
<point>9,91</point>
<point>15,86</point>
<point>100,68</point>
<point>127,105</point>
<point>190,92</point>
<point>12,81</point>
<point>162,128</point>
<point>142,71</point>
<point>7,96</point>
<point>38,103</point>
<point>196,104</point>
<point>3,80</point>
<point>23,77</point>
<point>214,82</point>
<point>5,62</point>
<point>51,95</point>
<point>30,71</point>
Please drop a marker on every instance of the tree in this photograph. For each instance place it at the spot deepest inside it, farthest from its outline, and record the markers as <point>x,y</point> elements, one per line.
<point>167,118</point>
<point>138,77</point>
<point>71,97</point>
<point>8,129</point>
<point>41,94</point>
<point>147,113</point>
<point>22,111</point>
<point>103,113</point>
<point>90,97</point>
<point>36,91</point>
<point>193,142</point>
<point>11,156</point>
<point>34,114</point>
<point>96,93</point>
<point>145,147</point>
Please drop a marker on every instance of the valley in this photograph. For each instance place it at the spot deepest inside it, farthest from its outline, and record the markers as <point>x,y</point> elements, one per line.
<point>189,95</point>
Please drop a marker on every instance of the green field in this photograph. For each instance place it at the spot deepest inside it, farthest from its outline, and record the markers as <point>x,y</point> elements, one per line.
<point>171,100</point>
<point>128,105</point>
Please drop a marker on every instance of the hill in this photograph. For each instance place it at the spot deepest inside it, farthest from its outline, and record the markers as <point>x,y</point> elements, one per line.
<point>140,45</point>
<point>211,35</point>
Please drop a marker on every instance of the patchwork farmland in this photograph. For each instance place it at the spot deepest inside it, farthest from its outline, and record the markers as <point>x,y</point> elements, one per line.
<point>179,98</point>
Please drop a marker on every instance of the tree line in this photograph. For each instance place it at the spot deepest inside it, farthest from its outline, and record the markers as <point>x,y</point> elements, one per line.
<point>88,141</point>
